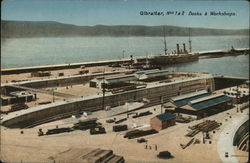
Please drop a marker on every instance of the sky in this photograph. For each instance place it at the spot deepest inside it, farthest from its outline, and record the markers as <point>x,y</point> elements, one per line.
<point>127,12</point>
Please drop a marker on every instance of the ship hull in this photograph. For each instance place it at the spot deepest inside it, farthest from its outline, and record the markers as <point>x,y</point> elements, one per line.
<point>164,59</point>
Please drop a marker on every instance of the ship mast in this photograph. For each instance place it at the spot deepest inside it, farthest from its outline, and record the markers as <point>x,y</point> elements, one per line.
<point>165,44</point>
<point>190,45</point>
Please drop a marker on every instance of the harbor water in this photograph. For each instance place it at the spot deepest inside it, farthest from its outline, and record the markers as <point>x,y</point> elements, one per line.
<point>23,52</point>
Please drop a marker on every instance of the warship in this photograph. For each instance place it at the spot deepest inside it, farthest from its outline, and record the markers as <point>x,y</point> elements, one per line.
<point>177,56</point>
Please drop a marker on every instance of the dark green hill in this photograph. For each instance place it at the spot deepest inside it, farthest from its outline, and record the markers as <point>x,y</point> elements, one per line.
<point>13,29</point>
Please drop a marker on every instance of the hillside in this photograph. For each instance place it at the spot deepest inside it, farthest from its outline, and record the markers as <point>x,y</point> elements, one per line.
<point>15,29</point>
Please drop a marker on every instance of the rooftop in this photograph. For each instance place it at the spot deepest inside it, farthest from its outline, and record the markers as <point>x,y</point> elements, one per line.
<point>154,74</point>
<point>165,116</point>
<point>209,101</point>
<point>185,99</point>
<point>120,79</point>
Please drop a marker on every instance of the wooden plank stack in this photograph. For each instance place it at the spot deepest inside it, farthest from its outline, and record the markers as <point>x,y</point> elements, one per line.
<point>102,156</point>
<point>205,126</point>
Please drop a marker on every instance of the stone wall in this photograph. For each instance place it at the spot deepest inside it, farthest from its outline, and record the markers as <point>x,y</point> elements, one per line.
<point>156,94</point>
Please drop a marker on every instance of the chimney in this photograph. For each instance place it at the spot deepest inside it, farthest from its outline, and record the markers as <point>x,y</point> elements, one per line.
<point>178,49</point>
<point>190,47</point>
<point>184,48</point>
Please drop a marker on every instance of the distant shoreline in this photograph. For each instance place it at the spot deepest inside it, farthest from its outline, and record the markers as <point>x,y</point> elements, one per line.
<point>63,36</point>
<point>31,29</point>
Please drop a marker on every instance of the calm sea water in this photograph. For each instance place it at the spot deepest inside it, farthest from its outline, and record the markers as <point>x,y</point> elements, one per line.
<point>45,51</point>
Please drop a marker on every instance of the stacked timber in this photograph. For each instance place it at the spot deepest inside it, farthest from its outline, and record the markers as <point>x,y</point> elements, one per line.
<point>142,114</point>
<point>192,133</point>
<point>83,71</point>
<point>121,120</point>
<point>120,128</point>
<point>97,130</point>
<point>40,73</point>
<point>102,156</point>
<point>122,89</point>
<point>206,126</point>
<point>183,146</point>
<point>18,106</point>
<point>58,130</point>
<point>139,133</point>
<point>85,124</point>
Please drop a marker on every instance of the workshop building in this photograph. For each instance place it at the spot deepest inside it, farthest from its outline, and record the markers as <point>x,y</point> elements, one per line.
<point>162,121</point>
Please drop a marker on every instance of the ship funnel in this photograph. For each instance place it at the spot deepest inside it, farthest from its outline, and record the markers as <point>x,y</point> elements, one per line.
<point>178,49</point>
<point>190,43</point>
<point>190,46</point>
<point>184,48</point>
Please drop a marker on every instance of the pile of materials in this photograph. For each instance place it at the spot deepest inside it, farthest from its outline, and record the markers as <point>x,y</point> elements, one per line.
<point>139,133</point>
<point>102,156</point>
<point>142,114</point>
<point>118,128</point>
<point>97,130</point>
<point>86,124</point>
<point>206,126</point>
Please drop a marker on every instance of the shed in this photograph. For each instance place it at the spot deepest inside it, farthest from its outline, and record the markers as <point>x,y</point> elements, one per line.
<point>207,106</point>
<point>162,121</point>
<point>153,74</point>
<point>182,100</point>
<point>120,79</point>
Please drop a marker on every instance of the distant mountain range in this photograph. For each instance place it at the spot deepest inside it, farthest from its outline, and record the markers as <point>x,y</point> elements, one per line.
<point>16,29</point>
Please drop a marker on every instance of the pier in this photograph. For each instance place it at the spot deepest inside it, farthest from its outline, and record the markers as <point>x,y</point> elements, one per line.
<point>205,54</point>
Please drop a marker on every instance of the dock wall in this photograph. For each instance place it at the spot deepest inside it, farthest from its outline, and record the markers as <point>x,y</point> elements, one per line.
<point>156,95</point>
<point>222,82</point>
<point>9,71</point>
<point>63,81</point>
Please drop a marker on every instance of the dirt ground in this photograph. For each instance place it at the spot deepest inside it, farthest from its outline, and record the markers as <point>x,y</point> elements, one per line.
<point>29,147</point>
<point>54,74</point>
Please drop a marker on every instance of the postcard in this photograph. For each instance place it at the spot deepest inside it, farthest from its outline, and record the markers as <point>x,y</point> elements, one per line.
<point>116,81</point>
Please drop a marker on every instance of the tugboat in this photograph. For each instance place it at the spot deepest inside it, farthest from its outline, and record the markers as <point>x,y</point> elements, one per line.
<point>178,56</point>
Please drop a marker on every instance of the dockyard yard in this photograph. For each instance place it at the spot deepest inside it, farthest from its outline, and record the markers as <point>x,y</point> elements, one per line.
<point>63,101</point>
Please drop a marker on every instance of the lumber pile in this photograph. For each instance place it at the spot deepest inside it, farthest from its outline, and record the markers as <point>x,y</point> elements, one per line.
<point>139,133</point>
<point>85,124</point>
<point>142,114</point>
<point>102,156</point>
<point>183,146</point>
<point>121,120</point>
<point>83,71</point>
<point>40,73</point>
<point>19,106</point>
<point>118,128</point>
<point>58,130</point>
<point>205,126</point>
<point>97,130</point>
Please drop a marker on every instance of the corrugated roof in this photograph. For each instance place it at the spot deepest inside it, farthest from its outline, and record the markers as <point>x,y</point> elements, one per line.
<point>187,99</point>
<point>165,116</point>
<point>154,74</point>
<point>210,102</point>
<point>121,79</point>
